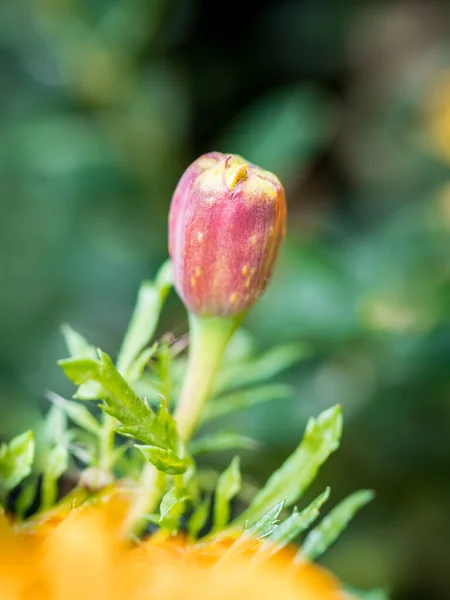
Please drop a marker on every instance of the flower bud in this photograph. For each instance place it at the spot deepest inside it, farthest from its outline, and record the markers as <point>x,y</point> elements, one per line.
<point>227,221</point>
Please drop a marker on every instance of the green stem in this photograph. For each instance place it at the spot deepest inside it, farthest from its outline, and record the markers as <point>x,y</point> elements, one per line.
<point>209,337</point>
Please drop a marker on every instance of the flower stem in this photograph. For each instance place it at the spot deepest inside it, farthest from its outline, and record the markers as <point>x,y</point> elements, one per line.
<point>209,337</point>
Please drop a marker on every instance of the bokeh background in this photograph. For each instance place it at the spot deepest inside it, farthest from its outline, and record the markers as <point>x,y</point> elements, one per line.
<point>103,103</point>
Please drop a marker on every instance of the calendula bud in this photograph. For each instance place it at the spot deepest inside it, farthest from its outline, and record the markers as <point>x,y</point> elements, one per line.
<point>227,221</point>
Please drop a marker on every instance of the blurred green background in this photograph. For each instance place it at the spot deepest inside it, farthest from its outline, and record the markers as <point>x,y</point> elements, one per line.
<point>103,103</point>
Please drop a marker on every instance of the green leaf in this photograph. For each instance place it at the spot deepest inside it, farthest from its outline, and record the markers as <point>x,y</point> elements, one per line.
<point>245,399</point>
<point>16,461</point>
<point>136,416</point>
<point>55,465</point>
<point>228,485</point>
<point>172,507</point>
<point>322,536</point>
<point>164,460</point>
<point>135,371</point>
<point>150,300</point>
<point>218,442</point>
<point>76,344</point>
<point>78,413</point>
<point>265,526</point>
<point>298,521</point>
<point>289,482</point>
<point>260,530</point>
<point>26,496</point>
<point>199,518</point>
<point>261,368</point>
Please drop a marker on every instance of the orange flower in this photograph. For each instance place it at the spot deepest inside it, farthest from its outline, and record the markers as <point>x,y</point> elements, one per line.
<point>83,557</point>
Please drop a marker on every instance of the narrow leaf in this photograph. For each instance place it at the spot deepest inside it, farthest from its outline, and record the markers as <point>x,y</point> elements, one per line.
<point>78,413</point>
<point>164,460</point>
<point>261,368</point>
<point>199,517</point>
<point>135,371</point>
<point>218,442</point>
<point>16,460</point>
<point>298,521</point>
<point>329,529</point>
<point>55,466</point>
<point>266,525</point>
<point>245,399</point>
<point>172,507</point>
<point>289,482</point>
<point>76,344</point>
<point>228,485</point>
<point>260,530</point>
<point>150,299</point>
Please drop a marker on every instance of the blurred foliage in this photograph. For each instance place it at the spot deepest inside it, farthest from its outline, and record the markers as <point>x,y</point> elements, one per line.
<point>103,103</point>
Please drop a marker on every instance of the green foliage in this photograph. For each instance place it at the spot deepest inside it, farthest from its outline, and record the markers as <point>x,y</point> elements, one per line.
<point>163,459</point>
<point>243,399</point>
<point>297,522</point>
<point>16,461</point>
<point>199,517</point>
<point>261,368</point>
<point>222,440</point>
<point>137,418</point>
<point>55,466</point>
<point>78,413</point>
<point>288,483</point>
<point>228,485</point>
<point>320,538</point>
<point>267,524</point>
<point>172,507</point>
<point>150,300</point>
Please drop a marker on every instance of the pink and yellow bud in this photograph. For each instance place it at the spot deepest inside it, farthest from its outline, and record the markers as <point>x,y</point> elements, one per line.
<point>227,221</point>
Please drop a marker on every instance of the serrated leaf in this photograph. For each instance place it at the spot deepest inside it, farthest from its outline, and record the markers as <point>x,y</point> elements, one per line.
<point>172,507</point>
<point>289,482</point>
<point>321,537</point>
<point>266,525</point>
<point>164,460</point>
<point>76,343</point>
<point>228,485</point>
<point>218,442</point>
<point>55,465</point>
<point>261,368</point>
<point>16,460</point>
<point>150,299</point>
<point>289,529</point>
<point>199,518</point>
<point>134,373</point>
<point>78,413</point>
<point>244,399</point>
<point>260,530</point>
<point>136,416</point>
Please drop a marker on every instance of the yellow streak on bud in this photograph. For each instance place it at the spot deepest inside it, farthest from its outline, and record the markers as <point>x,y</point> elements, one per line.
<point>253,239</point>
<point>244,270</point>
<point>200,237</point>
<point>198,271</point>
<point>193,281</point>
<point>234,173</point>
<point>233,297</point>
